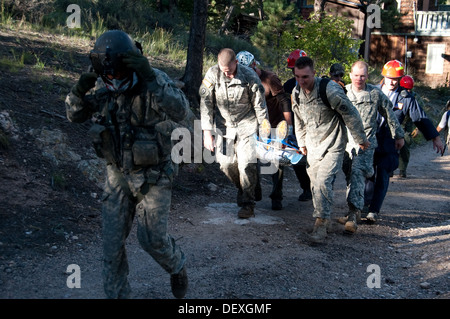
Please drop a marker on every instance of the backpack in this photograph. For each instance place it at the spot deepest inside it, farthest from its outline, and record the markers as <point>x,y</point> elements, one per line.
<point>322,91</point>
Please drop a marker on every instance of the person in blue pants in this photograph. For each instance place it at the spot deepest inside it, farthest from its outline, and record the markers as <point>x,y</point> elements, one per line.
<point>386,157</point>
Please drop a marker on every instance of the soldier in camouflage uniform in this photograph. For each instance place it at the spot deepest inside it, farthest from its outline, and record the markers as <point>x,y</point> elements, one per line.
<point>369,100</point>
<point>232,96</point>
<point>322,135</point>
<point>132,106</point>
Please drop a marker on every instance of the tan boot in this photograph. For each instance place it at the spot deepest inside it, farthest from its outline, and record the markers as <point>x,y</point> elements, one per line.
<point>319,233</point>
<point>342,220</point>
<point>351,225</point>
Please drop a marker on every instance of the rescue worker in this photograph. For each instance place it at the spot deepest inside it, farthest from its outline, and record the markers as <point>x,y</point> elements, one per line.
<point>278,108</point>
<point>386,156</point>
<point>300,167</point>
<point>321,132</point>
<point>236,93</point>
<point>132,106</point>
<point>369,100</point>
<point>444,123</point>
<point>407,82</point>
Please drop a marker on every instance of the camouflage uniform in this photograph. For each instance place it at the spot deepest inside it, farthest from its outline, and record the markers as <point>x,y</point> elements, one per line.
<point>369,103</point>
<point>241,106</point>
<point>133,134</point>
<point>322,130</point>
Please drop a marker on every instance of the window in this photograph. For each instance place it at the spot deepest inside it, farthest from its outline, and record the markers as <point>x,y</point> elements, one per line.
<point>307,3</point>
<point>435,62</point>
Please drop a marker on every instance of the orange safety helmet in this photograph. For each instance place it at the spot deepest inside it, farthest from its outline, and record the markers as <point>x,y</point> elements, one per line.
<point>293,57</point>
<point>393,69</point>
<point>407,82</point>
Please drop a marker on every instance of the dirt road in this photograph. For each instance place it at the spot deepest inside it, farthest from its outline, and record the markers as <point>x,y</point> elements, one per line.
<point>406,254</point>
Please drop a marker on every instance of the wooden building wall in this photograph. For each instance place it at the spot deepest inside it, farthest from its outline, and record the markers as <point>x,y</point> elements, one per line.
<point>384,48</point>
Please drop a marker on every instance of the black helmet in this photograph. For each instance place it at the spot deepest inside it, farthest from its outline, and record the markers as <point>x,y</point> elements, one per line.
<point>105,57</point>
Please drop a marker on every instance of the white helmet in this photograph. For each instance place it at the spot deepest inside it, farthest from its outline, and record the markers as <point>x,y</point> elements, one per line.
<point>245,58</point>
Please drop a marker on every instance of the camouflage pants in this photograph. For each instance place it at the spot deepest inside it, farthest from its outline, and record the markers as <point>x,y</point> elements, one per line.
<point>238,162</point>
<point>360,169</point>
<point>126,196</point>
<point>322,174</point>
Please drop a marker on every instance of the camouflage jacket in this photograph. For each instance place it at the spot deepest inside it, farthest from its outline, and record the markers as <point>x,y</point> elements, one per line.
<point>140,120</point>
<point>368,103</point>
<point>240,101</point>
<point>323,129</point>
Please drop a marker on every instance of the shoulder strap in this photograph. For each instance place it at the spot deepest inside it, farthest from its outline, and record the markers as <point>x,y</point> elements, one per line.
<point>323,91</point>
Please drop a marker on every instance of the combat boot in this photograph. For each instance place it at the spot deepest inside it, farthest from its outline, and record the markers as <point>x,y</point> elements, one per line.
<point>179,283</point>
<point>246,211</point>
<point>239,201</point>
<point>319,233</point>
<point>351,225</point>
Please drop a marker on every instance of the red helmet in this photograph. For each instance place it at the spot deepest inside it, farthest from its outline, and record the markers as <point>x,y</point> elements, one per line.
<point>393,69</point>
<point>407,82</point>
<point>293,57</point>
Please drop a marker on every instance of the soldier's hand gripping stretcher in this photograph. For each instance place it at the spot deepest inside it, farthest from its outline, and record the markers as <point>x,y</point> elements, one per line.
<point>280,148</point>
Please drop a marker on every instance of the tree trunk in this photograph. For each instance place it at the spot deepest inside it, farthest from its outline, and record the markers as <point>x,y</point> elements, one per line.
<point>226,21</point>
<point>193,74</point>
<point>319,7</point>
<point>261,10</point>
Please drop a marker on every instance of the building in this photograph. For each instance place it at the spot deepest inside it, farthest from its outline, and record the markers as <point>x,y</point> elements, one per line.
<point>422,42</point>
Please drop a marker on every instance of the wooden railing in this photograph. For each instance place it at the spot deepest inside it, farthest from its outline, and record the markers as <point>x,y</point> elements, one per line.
<point>433,21</point>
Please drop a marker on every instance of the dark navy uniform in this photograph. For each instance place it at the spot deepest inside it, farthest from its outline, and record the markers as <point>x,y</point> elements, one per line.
<point>386,158</point>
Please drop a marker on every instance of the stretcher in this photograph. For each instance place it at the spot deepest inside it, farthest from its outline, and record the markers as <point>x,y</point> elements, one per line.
<point>281,149</point>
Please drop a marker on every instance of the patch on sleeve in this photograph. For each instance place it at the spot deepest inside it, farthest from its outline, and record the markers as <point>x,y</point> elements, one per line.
<point>254,87</point>
<point>207,83</point>
<point>343,108</point>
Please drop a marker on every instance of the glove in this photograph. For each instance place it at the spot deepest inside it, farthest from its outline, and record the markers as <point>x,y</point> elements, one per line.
<point>140,64</point>
<point>85,83</point>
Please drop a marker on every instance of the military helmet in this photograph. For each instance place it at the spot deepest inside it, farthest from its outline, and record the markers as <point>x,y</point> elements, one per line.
<point>245,58</point>
<point>105,57</point>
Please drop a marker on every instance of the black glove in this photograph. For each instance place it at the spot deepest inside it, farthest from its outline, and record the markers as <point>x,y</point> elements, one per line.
<point>85,83</point>
<point>139,63</point>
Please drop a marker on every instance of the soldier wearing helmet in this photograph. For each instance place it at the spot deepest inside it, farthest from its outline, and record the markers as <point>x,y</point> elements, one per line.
<point>133,107</point>
<point>386,156</point>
